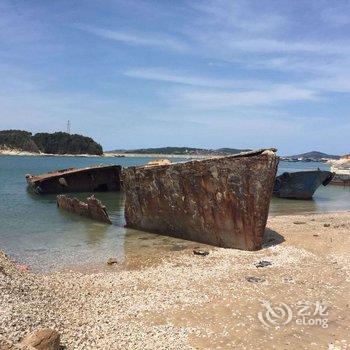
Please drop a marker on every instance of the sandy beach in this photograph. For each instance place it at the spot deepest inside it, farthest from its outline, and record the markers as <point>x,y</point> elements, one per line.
<point>178,300</point>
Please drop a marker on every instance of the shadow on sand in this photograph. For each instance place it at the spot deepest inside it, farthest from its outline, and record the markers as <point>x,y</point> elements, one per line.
<point>271,238</point>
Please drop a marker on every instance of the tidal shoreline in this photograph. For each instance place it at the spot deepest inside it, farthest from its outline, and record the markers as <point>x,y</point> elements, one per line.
<point>180,300</point>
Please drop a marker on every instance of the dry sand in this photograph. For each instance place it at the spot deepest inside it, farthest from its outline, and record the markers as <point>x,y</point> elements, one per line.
<point>178,300</point>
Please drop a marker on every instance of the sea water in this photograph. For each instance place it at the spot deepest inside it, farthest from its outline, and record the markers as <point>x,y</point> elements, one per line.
<point>34,231</point>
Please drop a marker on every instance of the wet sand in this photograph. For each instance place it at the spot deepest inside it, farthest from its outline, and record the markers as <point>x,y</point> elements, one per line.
<point>178,300</point>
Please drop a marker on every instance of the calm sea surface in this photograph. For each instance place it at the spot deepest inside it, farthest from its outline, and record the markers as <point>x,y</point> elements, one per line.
<point>34,231</point>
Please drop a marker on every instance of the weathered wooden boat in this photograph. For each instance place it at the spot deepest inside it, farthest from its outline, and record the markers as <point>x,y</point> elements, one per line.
<point>301,184</point>
<point>89,179</point>
<point>221,201</point>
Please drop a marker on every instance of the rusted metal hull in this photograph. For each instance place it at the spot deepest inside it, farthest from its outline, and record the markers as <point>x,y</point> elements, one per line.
<point>219,201</point>
<point>301,184</point>
<point>91,179</point>
<point>92,209</point>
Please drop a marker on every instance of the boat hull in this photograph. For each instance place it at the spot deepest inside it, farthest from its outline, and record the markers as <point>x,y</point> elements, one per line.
<point>301,184</point>
<point>91,179</point>
<point>219,201</point>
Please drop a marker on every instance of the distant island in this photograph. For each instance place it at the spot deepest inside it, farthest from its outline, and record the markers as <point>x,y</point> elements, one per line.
<point>48,143</point>
<point>179,151</point>
<point>312,156</point>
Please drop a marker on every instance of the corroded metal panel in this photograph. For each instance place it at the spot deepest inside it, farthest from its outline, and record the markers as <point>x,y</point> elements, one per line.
<point>220,201</point>
<point>90,179</point>
<point>92,209</point>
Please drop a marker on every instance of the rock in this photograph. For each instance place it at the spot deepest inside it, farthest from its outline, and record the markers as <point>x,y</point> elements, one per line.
<point>254,279</point>
<point>43,339</point>
<point>112,261</point>
<point>299,222</point>
<point>263,263</point>
<point>327,225</point>
<point>22,267</point>
<point>315,235</point>
<point>200,252</point>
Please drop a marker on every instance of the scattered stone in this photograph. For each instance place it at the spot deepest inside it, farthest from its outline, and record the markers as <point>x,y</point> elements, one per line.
<point>254,279</point>
<point>288,279</point>
<point>177,248</point>
<point>22,267</point>
<point>200,252</point>
<point>263,263</point>
<point>2,270</point>
<point>43,339</point>
<point>327,225</point>
<point>112,261</point>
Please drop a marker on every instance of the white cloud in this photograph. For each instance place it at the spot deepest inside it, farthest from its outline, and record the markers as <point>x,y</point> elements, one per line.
<point>209,99</point>
<point>137,38</point>
<point>178,77</point>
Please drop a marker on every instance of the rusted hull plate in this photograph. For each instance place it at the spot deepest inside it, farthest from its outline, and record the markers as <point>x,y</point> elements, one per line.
<point>91,179</point>
<point>219,201</point>
<point>92,209</point>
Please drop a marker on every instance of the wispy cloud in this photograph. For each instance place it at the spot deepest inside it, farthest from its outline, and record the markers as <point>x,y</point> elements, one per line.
<point>237,14</point>
<point>209,99</point>
<point>180,77</point>
<point>131,37</point>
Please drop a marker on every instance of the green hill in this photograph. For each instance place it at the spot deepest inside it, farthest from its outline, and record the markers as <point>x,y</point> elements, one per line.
<point>18,139</point>
<point>55,143</point>
<point>314,155</point>
<point>181,151</point>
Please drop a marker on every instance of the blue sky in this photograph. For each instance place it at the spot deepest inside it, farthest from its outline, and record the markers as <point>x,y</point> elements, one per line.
<point>224,73</point>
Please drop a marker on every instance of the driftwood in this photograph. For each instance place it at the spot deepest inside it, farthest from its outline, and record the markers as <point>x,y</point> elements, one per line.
<point>220,201</point>
<point>93,208</point>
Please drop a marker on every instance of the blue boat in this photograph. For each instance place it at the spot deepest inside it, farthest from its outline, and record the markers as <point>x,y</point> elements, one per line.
<point>301,184</point>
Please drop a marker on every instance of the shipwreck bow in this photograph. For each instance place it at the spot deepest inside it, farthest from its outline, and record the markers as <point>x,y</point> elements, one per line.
<point>220,201</point>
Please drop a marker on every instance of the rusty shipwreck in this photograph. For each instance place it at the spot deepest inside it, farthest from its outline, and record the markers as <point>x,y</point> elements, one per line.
<point>301,184</point>
<point>89,179</point>
<point>221,201</point>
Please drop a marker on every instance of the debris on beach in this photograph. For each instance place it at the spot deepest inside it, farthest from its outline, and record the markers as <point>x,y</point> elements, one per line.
<point>93,208</point>
<point>263,263</point>
<point>220,201</point>
<point>254,279</point>
<point>99,178</point>
<point>112,261</point>
<point>200,252</point>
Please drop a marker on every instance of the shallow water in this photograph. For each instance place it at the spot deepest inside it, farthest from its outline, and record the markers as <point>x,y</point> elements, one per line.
<point>34,231</point>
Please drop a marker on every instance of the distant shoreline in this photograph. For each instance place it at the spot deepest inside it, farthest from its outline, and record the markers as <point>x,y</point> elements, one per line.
<point>105,155</point>
<point>33,154</point>
<point>158,155</point>
<point>130,155</point>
